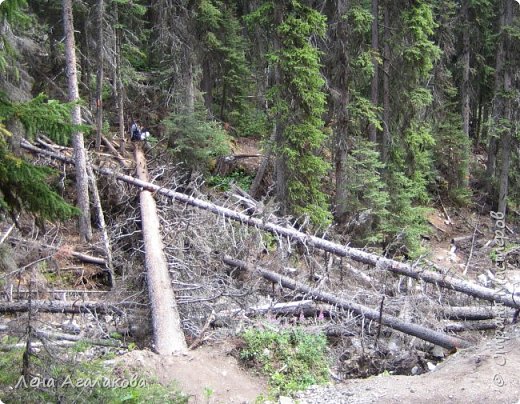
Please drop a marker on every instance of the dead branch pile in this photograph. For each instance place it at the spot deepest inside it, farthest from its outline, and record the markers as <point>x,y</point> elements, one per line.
<point>216,301</point>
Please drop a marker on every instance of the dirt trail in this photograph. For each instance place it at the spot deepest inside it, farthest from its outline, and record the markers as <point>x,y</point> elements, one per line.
<point>208,375</point>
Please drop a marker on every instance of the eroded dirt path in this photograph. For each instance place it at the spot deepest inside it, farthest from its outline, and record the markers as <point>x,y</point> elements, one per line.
<point>208,375</point>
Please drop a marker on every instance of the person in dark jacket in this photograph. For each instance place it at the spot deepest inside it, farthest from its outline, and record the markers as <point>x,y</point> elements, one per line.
<point>135,132</point>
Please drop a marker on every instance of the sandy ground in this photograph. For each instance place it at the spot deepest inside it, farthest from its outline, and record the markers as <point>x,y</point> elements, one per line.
<point>208,375</point>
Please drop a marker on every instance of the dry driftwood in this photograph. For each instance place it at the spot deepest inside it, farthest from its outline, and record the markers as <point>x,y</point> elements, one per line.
<point>401,268</point>
<point>426,334</point>
<point>168,335</point>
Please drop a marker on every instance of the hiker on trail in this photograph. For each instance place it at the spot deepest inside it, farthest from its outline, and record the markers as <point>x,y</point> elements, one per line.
<point>137,134</point>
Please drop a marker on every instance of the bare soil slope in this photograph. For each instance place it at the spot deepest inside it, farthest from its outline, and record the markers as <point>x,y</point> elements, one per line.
<point>476,375</point>
<point>208,374</point>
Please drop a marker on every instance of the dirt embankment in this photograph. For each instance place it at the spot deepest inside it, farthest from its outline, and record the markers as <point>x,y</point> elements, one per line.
<point>488,373</point>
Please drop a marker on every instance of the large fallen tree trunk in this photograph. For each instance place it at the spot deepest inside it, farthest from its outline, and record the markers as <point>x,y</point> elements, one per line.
<point>401,268</point>
<point>426,334</point>
<point>168,335</point>
<point>80,256</point>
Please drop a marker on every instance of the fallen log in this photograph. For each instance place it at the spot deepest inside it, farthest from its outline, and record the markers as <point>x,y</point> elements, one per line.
<point>113,150</point>
<point>80,256</point>
<point>471,313</point>
<point>55,306</point>
<point>464,241</point>
<point>96,200</point>
<point>470,326</point>
<point>419,331</point>
<point>397,267</point>
<point>34,344</point>
<point>168,335</point>
<point>306,307</point>
<point>60,336</point>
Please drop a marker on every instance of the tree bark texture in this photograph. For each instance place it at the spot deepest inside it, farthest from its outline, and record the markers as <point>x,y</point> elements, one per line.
<point>80,158</point>
<point>168,335</point>
<point>99,73</point>
<point>508,114</point>
<point>56,306</point>
<point>374,90</point>
<point>386,85</point>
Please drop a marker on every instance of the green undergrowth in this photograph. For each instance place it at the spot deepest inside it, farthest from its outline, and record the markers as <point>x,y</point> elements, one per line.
<point>292,359</point>
<point>70,381</point>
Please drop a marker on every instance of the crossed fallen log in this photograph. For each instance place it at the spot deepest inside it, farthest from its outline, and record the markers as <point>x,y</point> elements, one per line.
<point>424,333</point>
<point>414,271</point>
<point>401,268</point>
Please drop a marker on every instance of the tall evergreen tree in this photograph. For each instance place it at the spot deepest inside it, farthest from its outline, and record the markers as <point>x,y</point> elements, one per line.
<point>80,158</point>
<point>298,104</point>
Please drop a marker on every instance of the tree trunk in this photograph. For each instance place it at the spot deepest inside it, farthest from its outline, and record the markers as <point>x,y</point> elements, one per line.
<point>395,323</point>
<point>56,306</point>
<point>168,334</point>
<point>498,107</point>
<point>470,313</point>
<point>471,326</point>
<point>491,162</point>
<point>80,256</point>
<point>282,179</point>
<point>463,180</point>
<point>465,68</point>
<point>190,86</point>
<point>85,228</point>
<point>207,84</point>
<point>504,172</point>
<point>120,96</point>
<point>340,112</point>
<point>99,74</point>
<point>374,90</point>
<point>254,191</point>
<point>508,114</point>
<point>102,225</point>
<point>397,267</point>
<point>386,84</point>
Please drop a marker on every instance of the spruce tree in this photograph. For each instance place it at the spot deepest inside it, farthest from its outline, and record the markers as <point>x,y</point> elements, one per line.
<point>297,103</point>
<point>24,186</point>
<point>410,162</point>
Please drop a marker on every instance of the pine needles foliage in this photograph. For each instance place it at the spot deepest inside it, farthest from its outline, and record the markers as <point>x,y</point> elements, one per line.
<point>24,186</point>
<point>298,104</point>
<point>368,197</point>
<point>196,141</point>
<point>51,117</point>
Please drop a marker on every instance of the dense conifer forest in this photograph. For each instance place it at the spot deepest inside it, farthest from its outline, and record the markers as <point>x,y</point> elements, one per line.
<point>369,112</point>
<point>366,130</point>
